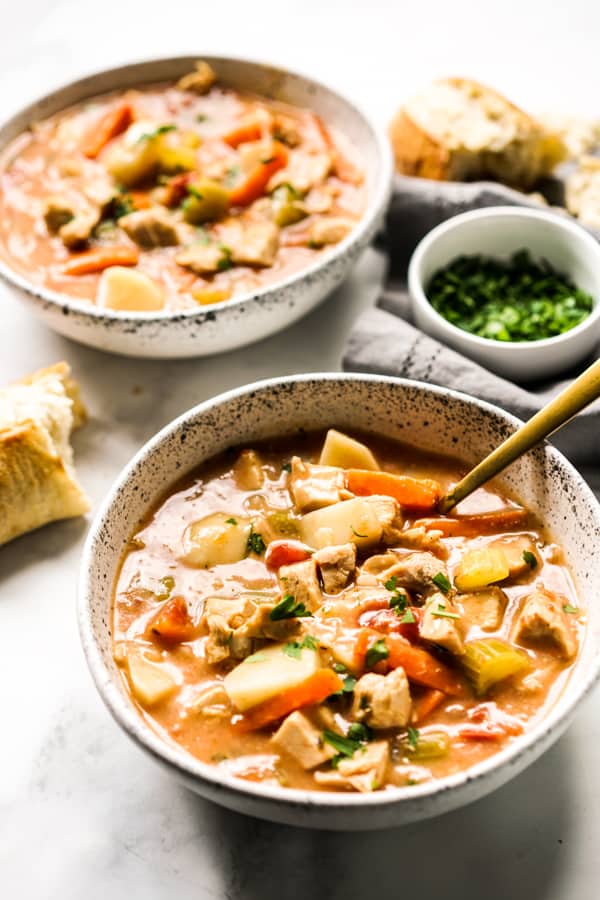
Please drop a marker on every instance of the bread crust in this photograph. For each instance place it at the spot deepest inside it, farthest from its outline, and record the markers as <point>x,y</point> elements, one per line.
<point>420,153</point>
<point>37,479</point>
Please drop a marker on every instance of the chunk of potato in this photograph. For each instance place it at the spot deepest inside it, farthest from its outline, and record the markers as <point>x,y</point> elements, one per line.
<point>129,290</point>
<point>150,683</point>
<point>269,672</point>
<point>135,157</point>
<point>341,450</point>
<point>481,567</point>
<point>216,540</point>
<point>484,608</point>
<point>176,151</point>
<point>206,201</point>
<point>520,552</point>
<point>352,521</point>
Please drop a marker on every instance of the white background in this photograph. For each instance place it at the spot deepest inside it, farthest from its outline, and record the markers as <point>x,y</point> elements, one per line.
<point>82,813</point>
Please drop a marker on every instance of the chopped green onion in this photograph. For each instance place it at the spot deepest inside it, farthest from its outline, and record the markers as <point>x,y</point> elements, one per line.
<point>530,559</point>
<point>441,581</point>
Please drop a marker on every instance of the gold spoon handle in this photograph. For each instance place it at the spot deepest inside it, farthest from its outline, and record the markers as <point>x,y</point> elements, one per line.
<point>553,416</point>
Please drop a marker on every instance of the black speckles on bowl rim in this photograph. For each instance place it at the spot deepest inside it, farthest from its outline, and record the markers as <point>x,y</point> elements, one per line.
<point>543,479</point>
<point>249,317</point>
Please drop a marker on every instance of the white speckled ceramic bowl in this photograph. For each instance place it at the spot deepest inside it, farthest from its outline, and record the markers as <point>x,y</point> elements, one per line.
<point>244,319</point>
<point>500,231</point>
<point>429,417</point>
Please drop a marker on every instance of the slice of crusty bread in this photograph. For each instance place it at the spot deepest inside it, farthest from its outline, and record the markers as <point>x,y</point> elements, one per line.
<point>37,476</point>
<point>582,191</point>
<point>459,130</point>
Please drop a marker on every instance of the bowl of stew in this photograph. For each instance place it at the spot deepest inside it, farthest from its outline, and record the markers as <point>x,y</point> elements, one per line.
<point>516,289</point>
<point>179,207</point>
<point>272,607</point>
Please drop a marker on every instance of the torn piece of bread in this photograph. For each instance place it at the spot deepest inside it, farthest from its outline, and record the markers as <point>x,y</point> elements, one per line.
<point>37,476</point>
<point>459,130</point>
<point>582,191</point>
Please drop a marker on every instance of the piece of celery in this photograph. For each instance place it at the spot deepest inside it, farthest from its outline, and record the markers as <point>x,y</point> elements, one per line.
<point>432,745</point>
<point>490,660</point>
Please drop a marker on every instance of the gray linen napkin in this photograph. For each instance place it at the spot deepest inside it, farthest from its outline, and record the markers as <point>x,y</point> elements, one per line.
<point>383,340</point>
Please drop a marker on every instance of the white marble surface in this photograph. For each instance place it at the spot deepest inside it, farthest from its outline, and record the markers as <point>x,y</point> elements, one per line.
<point>82,812</point>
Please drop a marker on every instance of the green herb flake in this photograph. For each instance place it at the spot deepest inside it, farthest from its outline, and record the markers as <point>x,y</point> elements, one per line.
<point>356,533</point>
<point>201,117</point>
<point>168,583</point>
<point>162,129</point>
<point>441,581</point>
<point>408,618</point>
<point>569,608</point>
<point>339,667</point>
<point>442,613</point>
<point>347,746</point>
<point>392,583</point>
<point>399,603</point>
<point>515,300</point>
<point>376,653</point>
<point>293,649</point>
<point>348,684</point>
<point>226,261</point>
<point>231,521</point>
<point>530,558</point>
<point>255,543</point>
<point>413,737</point>
<point>286,467</point>
<point>287,608</point>
<point>310,642</point>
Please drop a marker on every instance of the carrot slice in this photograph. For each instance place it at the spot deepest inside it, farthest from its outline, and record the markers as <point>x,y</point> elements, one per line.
<point>415,493</point>
<point>283,553</point>
<point>255,183</point>
<point>100,258</point>
<point>424,705</point>
<point>243,133</point>
<point>314,690</point>
<point>482,523</point>
<point>112,123</point>
<point>173,623</point>
<point>140,199</point>
<point>420,666</point>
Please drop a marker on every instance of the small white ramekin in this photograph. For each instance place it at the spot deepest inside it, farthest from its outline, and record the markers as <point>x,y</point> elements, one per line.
<point>500,231</point>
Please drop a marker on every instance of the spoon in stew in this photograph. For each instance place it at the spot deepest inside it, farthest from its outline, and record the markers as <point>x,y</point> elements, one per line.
<point>579,394</point>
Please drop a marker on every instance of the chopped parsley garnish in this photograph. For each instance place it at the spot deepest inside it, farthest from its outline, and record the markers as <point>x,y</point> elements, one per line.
<point>398,602</point>
<point>413,737</point>
<point>569,608</point>
<point>225,262</point>
<point>376,653</point>
<point>287,608</point>
<point>441,581</point>
<point>392,583</point>
<point>517,300</point>
<point>168,583</point>
<point>348,684</point>
<point>194,192</point>
<point>162,129</point>
<point>408,618</point>
<point>530,559</point>
<point>442,613</point>
<point>346,746</point>
<point>201,117</point>
<point>355,532</point>
<point>359,732</point>
<point>255,543</point>
<point>286,467</point>
<point>295,648</point>
<point>121,205</point>
<point>231,521</point>
<point>339,667</point>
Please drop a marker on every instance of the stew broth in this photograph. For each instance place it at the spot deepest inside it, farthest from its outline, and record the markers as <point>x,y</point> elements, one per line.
<point>425,709</point>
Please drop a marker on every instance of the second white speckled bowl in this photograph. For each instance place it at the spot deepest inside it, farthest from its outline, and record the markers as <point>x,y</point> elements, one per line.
<point>431,418</point>
<point>249,317</point>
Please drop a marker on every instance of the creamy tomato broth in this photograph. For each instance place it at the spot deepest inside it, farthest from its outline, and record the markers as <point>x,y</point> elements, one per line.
<point>298,613</point>
<point>174,196</point>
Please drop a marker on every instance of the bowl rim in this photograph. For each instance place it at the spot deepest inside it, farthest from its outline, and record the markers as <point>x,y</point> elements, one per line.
<point>186,766</point>
<point>377,198</point>
<point>573,232</point>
